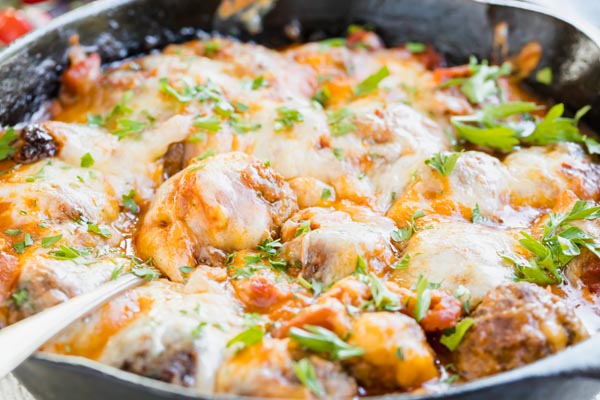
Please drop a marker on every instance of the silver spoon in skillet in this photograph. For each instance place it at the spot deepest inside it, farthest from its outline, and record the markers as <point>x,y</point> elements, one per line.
<point>20,340</point>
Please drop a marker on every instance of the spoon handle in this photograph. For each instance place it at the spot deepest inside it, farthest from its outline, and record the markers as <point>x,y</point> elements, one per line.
<point>20,340</point>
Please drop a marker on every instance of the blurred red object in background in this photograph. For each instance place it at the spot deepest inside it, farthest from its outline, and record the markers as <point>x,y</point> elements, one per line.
<point>13,23</point>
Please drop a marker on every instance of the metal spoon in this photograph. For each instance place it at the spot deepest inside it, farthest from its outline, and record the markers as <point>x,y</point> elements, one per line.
<point>20,340</point>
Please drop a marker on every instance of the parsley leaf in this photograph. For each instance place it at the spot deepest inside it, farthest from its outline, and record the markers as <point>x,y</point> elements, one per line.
<point>452,339</point>
<point>185,270</point>
<point>405,233</point>
<point>144,269</point>
<point>187,93</point>
<point>371,83</point>
<point>21,246</point>
<point>485,129</point>
<point>287,118</point>
<point>340,121</point>
<point>241,127</point>
<point>87,160</point>
<point>321,340</point>
<point>20,297</point>
<point>303,227</point>
<point>6,150</point>
<point>476,216</point>
<point>443,162</point>
<point>483,80</point>
<point>13,232</point>
<point>361,266</point>
<point>127,127</point>
<point>247,338</point>
<point>415,47</point>
<point>50,241</point>
<point>210,123</point>
<point>129,202</point>
<point>423,298</point>
<point>325,194</point>
<point>544,76</point>
<point>383,298</point>
<point>259,82</point>
<point>68,253</point>
<point>559,244</point>
<point>305,372</point>
<point>322,95</point>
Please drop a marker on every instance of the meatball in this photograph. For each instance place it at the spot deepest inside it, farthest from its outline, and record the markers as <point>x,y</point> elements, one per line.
<point>397,355</point>
<point>516,324</point>
<point>265,370</point>
<point>326,243</point>
<point>226,203</point>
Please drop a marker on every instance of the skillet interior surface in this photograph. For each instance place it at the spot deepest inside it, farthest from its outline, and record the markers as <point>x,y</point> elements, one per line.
<point>117,29</point>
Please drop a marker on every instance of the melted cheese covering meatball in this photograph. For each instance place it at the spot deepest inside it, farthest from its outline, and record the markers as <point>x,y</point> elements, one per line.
<point>309,224</point>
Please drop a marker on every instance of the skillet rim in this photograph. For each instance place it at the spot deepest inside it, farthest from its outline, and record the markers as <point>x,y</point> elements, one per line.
<point>538,369</point>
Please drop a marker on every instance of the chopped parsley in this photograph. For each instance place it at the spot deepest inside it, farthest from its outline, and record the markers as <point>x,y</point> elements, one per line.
<point>325,194</point>
<point>544,76</point>
<point>129,202</point>
<point>116,272</point>
<point>383,298</point>
<point>211,47</point>
<point>305,372</point>
<point>321,340</point>
<point>415,47</point>
<point>555,128</point>
<point>476,216</point>
<point>87,160</point>
<point>259,82</point>
<point>6,150</point>
<point>338,153</point>
<point>144,269</point>
<point>13,232</point>
<point>127,127</point>
<point>50,241</point>
<point>443,162</point>
<point>315,286</point>
<point>371,83</point>
<point>199,329</point>
<point>98,230</point>
<point>21,246</point>
<point>403,263</point>
<point>20,297</point>
<point>361,266</point>
<point>400,353</point>
<point>559,244</point>
<point>423,297</point>
<point>69,253</point>
<point>340,121</point>
<point>483,80</point>
<point>208,153</point>
<point>240,127</point>
<point>120,109</point>
<point>287,118</point>
<point>247,338</point>
<point>405,233</point>
<point>303,227</point>
<point>453,338</point>
<point>187,93</point>
<point>332,42</point>
<point>185,270</point>
<point>322,95</point>
<point>486,128</point>
<point>210,123</point>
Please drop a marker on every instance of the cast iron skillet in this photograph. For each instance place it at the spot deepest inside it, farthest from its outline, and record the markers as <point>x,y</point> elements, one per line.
<point>29,76</point>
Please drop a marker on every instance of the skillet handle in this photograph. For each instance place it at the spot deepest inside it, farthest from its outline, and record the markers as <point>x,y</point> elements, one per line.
<point>20,340</point>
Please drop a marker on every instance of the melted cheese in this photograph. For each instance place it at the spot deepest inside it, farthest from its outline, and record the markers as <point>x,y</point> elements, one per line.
<point>249,199</point>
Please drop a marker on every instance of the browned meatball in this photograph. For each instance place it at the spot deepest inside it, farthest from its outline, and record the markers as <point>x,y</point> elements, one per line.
<point>516,324</point>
